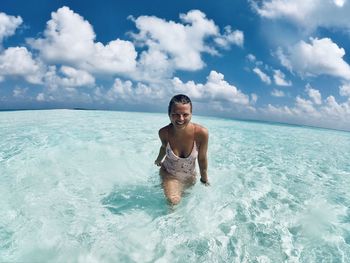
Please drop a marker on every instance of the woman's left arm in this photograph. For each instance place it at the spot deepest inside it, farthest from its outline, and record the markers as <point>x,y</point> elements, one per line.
<point>202,155</point>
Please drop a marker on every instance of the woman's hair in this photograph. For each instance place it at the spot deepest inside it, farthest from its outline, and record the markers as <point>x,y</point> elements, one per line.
<point>180,98</point>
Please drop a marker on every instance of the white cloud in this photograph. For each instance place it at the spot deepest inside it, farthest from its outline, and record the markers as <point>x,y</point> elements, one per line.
<point>69,39</point>
<point>321,56</point>
<point>329,113</point>
<point>45,97</point>
<point>76,78</point>
<point>166,45</point>
<point>306,14</point>
<point>264,78</point>
<point>304,106</point>
<point>18,61</point>
<point>296,9</point>
<point>117,56</point>
<point>279,78</point>
<point>215,89</point>
<point>72,57</point>
<point>40,97</point>
<point>344,90</point>
<point>314,94</point>
<point>251,57</point>
<point>337,111</point>
<point>133,93</point>
<point>230,37</point>
<point>19,92</point>
<point>68,77</point>
<point>277,111</point>
<point>277,93</point>
<point>153,66</point>
<point>8,25</point>
<point>254,98</point>
<point>183,43</point>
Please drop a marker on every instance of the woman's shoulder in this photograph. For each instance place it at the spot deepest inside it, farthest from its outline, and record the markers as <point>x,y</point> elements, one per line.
<point>163,132</point>
<point>201,132</point>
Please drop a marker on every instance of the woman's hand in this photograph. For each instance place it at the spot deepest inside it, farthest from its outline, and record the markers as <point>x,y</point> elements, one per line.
<point>205,182</point>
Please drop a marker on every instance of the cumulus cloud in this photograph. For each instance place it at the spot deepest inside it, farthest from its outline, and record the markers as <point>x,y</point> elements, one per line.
<point>251,57</point>
<point>19,92</point>
<point>276,111</point>
<point>69,39</point>
<point>279,78</point>
<point>321,56</point>
<point>40,97</point>
<point>221,95</point>
<point>60,84</point>
<point>153,66</point>
<point>293,9</point>
<point>8,25</point>
<point>254,98</point>
<point>307,14</point>
<point>68,77</point>
<point>183,43</point>
<point>18,62</point>
<point>314,94</point>
<point>118,56</point>
<point>133,93</point>
<point>215,89</point>
<point>344,90</point>
<point>45,97</point>
<point>230,37</point>
<point>263,76</point>
<point>338,111</point>
<point>166,46</point>
<point>277,93</point>
<point>304,106</point>
<point>69,56</point>
<point>328,113</point>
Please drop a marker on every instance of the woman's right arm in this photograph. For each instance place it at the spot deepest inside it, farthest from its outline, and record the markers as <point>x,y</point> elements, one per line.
<point>162,149</point>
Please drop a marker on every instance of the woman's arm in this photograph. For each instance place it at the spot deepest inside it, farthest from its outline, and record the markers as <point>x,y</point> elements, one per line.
<point>202,155</point>
<point>160,157</point>
<point>162,152</point>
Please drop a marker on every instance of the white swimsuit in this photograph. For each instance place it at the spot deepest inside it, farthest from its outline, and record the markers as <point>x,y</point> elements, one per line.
<point>184,168</point>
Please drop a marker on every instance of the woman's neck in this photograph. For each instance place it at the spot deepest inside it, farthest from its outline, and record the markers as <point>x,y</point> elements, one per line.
<point>180,132</point>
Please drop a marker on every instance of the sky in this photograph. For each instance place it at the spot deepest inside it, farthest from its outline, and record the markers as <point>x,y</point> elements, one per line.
<point>271,60</point>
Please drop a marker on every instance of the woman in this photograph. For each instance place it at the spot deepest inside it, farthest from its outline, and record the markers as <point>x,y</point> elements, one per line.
<point>182,142</point>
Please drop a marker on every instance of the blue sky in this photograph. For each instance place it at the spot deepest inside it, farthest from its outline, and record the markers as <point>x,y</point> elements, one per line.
<point>274,60</point>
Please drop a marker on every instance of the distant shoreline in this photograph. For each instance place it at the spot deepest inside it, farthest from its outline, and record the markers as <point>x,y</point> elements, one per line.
<point>48,109</point>
<point>209,116</point>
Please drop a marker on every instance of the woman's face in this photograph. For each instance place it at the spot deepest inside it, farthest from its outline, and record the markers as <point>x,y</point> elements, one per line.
<point>180,115</point>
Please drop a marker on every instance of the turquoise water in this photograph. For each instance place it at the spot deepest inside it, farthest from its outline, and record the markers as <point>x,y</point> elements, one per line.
<point>81,186</point>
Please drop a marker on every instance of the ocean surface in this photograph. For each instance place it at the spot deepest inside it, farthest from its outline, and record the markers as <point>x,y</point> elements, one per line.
<point>81,186</point>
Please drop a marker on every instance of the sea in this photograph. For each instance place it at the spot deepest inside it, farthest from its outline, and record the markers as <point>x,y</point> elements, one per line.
<point>81,186</point>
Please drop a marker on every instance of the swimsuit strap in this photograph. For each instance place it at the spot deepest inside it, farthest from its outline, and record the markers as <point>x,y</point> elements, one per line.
<point>194,134</point>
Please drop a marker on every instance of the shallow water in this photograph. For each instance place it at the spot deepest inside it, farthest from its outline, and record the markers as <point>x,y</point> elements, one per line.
<point>81,186</point>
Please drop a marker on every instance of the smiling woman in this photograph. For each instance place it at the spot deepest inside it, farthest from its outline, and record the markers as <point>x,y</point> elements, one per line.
<point>182,142</point>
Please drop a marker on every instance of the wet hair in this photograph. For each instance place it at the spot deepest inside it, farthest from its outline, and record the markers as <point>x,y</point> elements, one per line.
<point>180,98</point>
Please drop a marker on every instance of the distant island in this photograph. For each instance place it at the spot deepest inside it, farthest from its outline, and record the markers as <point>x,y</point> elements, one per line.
<point>47,109</point>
